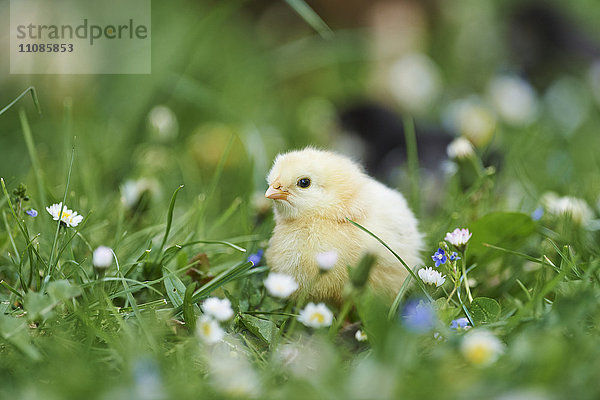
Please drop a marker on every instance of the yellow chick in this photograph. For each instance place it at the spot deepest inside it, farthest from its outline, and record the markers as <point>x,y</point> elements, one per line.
<point>314,191</point>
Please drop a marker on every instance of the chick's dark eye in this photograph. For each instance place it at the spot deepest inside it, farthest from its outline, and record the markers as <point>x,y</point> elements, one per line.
<point>303,183</point>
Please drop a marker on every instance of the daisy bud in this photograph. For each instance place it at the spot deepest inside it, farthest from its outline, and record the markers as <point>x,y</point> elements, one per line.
<point>102,257</point>
<point>459,149</point>
<point>458,237</point>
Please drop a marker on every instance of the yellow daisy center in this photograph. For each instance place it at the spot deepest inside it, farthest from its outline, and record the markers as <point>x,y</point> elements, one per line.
<point>480,354</point>
<point>318,317</point>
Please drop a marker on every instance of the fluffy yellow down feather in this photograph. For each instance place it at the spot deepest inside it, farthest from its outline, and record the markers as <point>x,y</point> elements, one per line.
<point>314,191</point>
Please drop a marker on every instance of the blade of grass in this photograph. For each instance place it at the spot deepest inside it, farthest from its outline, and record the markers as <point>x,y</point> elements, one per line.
<point>189,316</point>
<point>464,307</point>
<point>11,289</point>
<point>34,97</point>
<point>224,277</point>
<point>516,253</point>
<point>410,271</point>
<point>9,233</point>
<point>78,234</point>
<point>549,286</point>
<point>146,284</point>
<point>169,222</point>
<point>22,227</point>
<point>214,182</point>
<point>172,251</point>
<point>394,308</point>
<point>223,242</point>
<point>566,259</point>
<point>33,155</point>
<point>311,17</point>
<point>522,286</point>
<point>134,306</point>
<point>413,164</point>
<point>130,289</point>
<point>225,215</point>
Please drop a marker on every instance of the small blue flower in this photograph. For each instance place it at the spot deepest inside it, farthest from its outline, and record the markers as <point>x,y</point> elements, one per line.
<point>454,256</point>
<point>439,257</point>
<point>537,214</point>
<point>256,257</point>
<point>461,323</point>
<point>32,212</point>
<point>418,316</point>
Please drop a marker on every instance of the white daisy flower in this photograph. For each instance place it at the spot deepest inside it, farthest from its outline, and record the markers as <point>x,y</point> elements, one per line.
<point>280,285</point>
<point>220,309</point>
<point>431,277</point>
<point>481,347</point>
<point>102,257</point>
<point>578,209</point>
<point>209,330</point>
<point>327,260</point>
<point>458,237</point>
<point>316,315</point>
<point>360,336</point>
<point>460,148</point>
<point>68,217</point>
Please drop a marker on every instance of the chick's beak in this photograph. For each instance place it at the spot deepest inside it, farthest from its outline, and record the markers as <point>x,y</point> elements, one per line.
<point>276,193</point>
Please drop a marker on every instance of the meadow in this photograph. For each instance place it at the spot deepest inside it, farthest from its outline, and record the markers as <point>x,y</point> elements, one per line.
<point>167,173</point>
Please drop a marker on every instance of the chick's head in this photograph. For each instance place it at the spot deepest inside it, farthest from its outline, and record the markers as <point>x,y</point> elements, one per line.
<point>315,183</point>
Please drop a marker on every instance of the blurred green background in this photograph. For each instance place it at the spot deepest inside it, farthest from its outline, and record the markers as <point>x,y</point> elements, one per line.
<point>235,83</point>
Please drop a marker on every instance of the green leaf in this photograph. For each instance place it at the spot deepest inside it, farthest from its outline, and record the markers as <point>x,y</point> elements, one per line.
<point>169,254</point>
<point>506,229</point>
<point>62,290</point>
<point>189,316</point>
<point>485,310</point>
<point>37,306</point>
<point>175,288</point>
<point>14,331</point>
<point>263,329</point>
<point>446,312</point>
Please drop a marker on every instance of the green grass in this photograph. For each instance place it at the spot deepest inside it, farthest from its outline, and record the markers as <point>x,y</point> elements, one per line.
<point>69,330</point>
